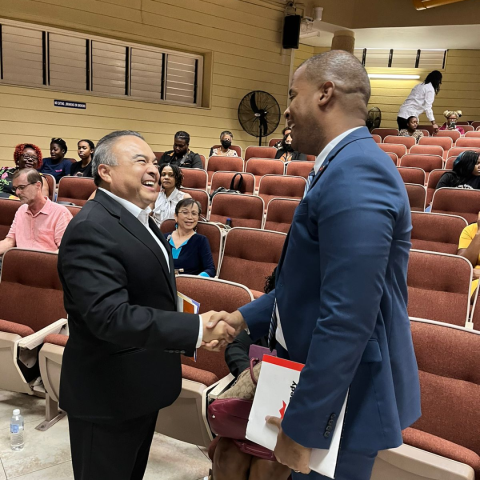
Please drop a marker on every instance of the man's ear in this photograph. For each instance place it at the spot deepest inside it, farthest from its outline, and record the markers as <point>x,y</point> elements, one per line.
<point>325,93</point>
<point>104,173</point>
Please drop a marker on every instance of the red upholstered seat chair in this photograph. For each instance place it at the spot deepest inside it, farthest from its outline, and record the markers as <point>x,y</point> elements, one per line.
<point>200,196</point>
<point>427,128</point>
<point>474,134</point>
<point>194,178</point>
<point>8,209</point>
<point>439,287</point>
<point>260,152</point>
<point>209,230</point>
<point>468,128</point>
<point>428,150</point>
<point>52,185</point>
<point>299,168</point>
<point>377,138</point>
<point>445,142</point>
<point>230,164</point>
<point>31,307</point>
<point>444,442</point>
<point>476,125</point>
<point>186,419</point>
<point>436,232</point>
<point>412,175</point>
<point>457,201</point>
<point>158,155</point>
<point>243,210</point>
<point>280,212</point>
<point>425,162</point>
<point>224,179</point>
<point>417,195</point>
<point>237,148</point>
<point>398,149</point>
<point>455,151</point>
<point>468,142</point>
<point>274,141</point>
<point>433,179</point>
<point>263,166</point>
<point>73,210</point>
<point>76,190</point>
<point>281,186</point>
<point>449,163</point>
<point>394,157</point>
<point>453,134</point>
<point>249,256</point>
<point>383,132</point>
<point>409,142</point>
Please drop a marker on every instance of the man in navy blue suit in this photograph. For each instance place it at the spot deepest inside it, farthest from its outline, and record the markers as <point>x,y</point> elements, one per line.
<point>340,301</point>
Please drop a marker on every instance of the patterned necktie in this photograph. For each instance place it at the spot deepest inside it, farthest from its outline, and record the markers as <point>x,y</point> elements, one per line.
<point>310,178</point>
<point>272,341</point>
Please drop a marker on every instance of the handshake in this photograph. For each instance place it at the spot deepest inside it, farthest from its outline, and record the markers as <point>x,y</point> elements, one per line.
<point>220,328</point>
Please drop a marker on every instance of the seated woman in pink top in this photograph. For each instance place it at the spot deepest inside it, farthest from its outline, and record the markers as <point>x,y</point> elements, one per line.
<point>451,123</point>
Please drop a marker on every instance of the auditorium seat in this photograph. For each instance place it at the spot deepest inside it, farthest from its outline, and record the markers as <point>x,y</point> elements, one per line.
<point>200,196</point>
<point>52,185</point>
<point>224,164</point>
<point>444,442</point>
<point>299,168</point>
<point>237,148</point>
<point>394,157</point>
<point>263,166</point>
<point>445,142</point>
<point>425,162</point>
<point>449,163</point>
<point>274,141</point>
<point>468,128</point>
<point>455,151</point>
<point>439,287</point>
<point>409,142</point>
<point>75,190</point>
<point>260,152</point>
<point>280,212</point>
<point>457,201</point>
<point>428,150</point>
<point>249,256</point>
<point>426,133</point>
<point>8,209</point>
<point>209,230</point>
<point>377,138</point>
<point>194,178</point>
<point>428,128</point>
<point>475,134</point>
<point>417,195</point>
<point>397,149</point>
<point>50,362</point>
<point>433,179</point>
<point>224,179</point>
<point>73,209</point>
<point>468,142</point>
<point>412,175</point>
<point>383,132</point>
<point>31,308</point>
<point>453,134</point>
<point>186,419</point>
<point>281,186</point>
<point>436,232</point>
<point>243,210</point>
<point>158,155</point>
<point>476,125</point>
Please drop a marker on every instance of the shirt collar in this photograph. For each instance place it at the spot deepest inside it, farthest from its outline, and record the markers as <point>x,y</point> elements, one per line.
<point>46,209</point>
<point>330,146</point>
<point>137,212</point>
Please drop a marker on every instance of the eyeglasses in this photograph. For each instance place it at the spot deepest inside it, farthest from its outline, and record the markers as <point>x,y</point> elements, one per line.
<point>187,212</point>
<point>22,187</point>
<point>30,157</point>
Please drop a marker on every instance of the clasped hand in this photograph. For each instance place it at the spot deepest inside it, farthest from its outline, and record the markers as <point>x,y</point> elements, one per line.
<point>220,328</point>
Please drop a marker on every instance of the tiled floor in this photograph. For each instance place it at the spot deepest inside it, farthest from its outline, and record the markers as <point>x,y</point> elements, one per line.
<point>46,455</point>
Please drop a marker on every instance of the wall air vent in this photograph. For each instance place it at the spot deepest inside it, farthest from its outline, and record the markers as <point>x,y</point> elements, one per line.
<point>398,58</point>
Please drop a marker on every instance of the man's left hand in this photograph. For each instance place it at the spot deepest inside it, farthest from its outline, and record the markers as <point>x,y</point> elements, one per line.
<point>288,452</point>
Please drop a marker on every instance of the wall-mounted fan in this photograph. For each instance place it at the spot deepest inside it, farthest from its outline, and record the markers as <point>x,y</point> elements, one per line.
<point>374,118</point>
<point>259,114</point>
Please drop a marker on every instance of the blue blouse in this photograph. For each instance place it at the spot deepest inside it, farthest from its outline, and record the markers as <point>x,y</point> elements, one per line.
<point>194,255</point>
<point>58,170</point>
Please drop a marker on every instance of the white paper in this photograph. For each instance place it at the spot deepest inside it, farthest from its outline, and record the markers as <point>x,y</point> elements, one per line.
<point>275,387</point>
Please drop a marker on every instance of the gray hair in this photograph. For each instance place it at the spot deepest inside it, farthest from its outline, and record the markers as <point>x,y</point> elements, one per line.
<point>32,175</point>
<point>103,153</point>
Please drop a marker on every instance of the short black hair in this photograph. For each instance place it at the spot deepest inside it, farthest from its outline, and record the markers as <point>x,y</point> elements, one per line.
<point>285,129</point>
<point>90,143</point>
<point>60,142</point>
<point>187,202</point>
<point>177,173</point>
<point>181,135</point>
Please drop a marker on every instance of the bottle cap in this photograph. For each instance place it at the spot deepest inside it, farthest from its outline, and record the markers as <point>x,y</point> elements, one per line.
<point>16,412</point>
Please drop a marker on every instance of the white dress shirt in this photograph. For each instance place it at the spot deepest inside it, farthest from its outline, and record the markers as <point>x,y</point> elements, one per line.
<point>142,216</point>
<point>318,163</point>
<point>420,100</point>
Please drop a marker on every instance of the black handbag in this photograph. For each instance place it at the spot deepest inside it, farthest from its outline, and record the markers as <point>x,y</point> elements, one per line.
<point>232,188</point>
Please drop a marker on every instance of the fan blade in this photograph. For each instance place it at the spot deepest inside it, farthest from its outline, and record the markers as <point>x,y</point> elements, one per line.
<point>253,104</point>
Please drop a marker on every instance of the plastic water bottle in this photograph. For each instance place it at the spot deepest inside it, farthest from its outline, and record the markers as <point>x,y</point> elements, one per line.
<point>16,431</point>
<point>229,223</point>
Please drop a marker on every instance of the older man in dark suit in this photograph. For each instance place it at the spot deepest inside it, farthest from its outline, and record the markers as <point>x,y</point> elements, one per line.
<point>122,361</point>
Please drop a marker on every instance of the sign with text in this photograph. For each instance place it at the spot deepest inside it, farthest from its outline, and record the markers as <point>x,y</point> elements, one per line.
<point>68,104</point>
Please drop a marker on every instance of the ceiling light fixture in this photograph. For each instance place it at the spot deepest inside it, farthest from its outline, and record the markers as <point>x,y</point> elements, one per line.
<point>393,77</point>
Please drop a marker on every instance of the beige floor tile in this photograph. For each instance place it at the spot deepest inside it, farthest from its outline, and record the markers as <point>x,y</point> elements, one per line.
<point>58,472</point>
<point>3,475</point>
<point>32,408</point>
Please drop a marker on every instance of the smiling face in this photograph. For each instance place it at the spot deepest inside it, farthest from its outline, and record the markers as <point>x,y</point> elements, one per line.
<point>84,150</point>
<point>56,152</point>
<point>136,176</point>
<point>187,217</point>
<point>28,159</point>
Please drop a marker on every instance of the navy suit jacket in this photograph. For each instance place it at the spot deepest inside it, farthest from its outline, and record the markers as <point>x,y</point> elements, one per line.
<point>341,291</point>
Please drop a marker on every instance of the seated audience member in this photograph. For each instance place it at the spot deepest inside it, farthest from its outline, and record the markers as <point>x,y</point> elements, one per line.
<point>469,248</point>
<point>411,130</point>
<point>229,463</point>
<point>83,168</point>
<point>25,155</point>
<point>465,173</point>
<point>57,165</point>
<point>181,155</point>
<point>451,123</point>
<point>286,131</point>
<point>38,223</point>
<point>286,153</point>
<point>224,150</point>
<point>171,178</point>
<point>191,251</point>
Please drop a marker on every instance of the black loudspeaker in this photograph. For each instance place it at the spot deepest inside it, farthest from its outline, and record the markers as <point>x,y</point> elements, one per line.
<point>291,31</point>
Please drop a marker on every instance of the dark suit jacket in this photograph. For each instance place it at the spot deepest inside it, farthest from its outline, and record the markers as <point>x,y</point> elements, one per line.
<point>341,290</point>
<point>122,359</point>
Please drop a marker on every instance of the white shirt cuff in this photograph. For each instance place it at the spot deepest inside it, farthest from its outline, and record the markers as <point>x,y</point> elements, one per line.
<point>200,332</point>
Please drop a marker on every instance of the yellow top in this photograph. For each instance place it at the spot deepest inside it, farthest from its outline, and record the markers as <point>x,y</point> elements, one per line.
<point>468,234</point>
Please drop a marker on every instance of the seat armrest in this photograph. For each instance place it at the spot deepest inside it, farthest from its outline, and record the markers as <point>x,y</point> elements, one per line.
<point>33,341</point>
<point>220,387</point>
